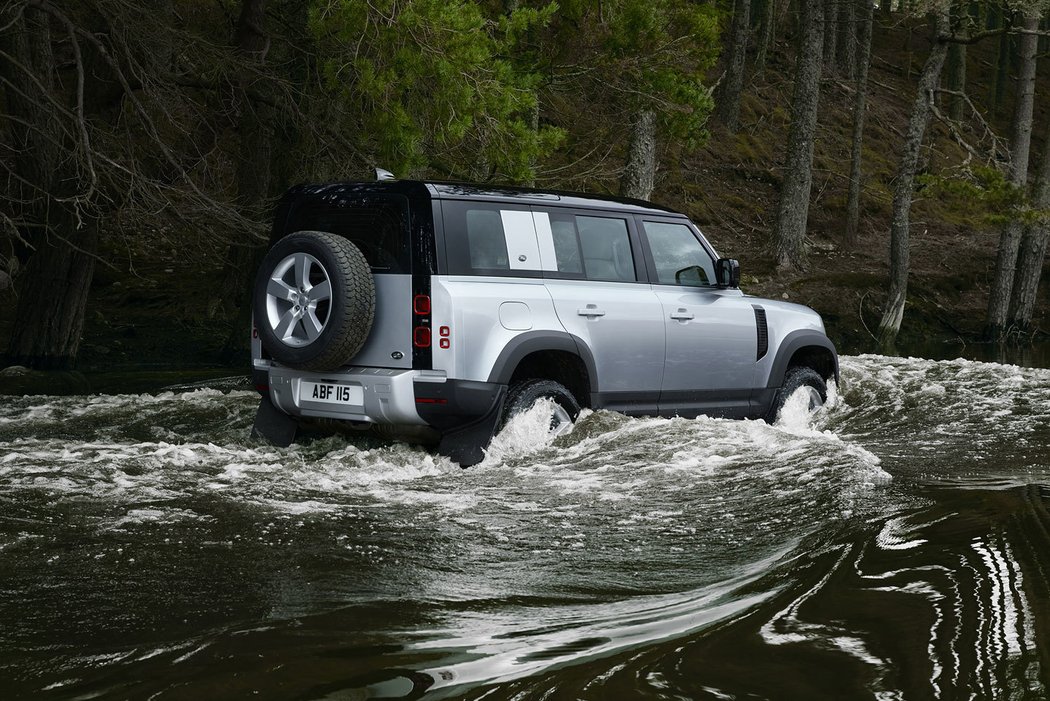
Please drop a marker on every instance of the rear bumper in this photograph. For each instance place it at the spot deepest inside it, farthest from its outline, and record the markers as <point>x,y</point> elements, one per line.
<point>389,396</point>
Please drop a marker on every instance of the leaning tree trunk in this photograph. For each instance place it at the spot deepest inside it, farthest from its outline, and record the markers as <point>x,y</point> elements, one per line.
<point>859,108</point>
<point>639,173</point>
<point>1033,251</point>
<point>53,287</point>
<point>1020,146</point>
<point>793,210</point>
<point>900,260</point>
<point>727,99</point>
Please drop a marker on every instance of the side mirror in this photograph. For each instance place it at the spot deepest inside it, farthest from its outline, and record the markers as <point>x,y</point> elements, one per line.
<point>727,270</point>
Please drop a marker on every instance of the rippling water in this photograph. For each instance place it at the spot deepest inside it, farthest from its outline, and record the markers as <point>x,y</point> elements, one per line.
<point>895,546</point>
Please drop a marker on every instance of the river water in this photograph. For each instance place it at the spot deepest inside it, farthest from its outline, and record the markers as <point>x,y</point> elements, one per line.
<point>894,546</point>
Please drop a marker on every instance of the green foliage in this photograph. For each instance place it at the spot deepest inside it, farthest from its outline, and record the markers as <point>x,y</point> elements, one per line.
<point>425,84</point>
<point>645,54</point>
<point>984,195</point>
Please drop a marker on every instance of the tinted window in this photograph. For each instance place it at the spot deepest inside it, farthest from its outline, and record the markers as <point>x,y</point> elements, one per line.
<point>489,239</point>
<point>378,228</point>
<point>485,239</point>
<point>606,248</point>
<point>679,257</point>
<point>566,243</point>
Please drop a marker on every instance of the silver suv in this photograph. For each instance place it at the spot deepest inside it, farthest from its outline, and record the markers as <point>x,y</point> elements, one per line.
<point>444,309</point>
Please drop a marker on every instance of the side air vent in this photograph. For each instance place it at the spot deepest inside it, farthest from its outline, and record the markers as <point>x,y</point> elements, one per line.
<point>763,331</point>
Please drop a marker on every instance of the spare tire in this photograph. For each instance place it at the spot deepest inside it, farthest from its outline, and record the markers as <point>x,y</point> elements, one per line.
<point>314,300</point>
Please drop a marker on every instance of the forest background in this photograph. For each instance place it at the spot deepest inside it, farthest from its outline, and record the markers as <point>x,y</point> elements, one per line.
<point>885,164</point>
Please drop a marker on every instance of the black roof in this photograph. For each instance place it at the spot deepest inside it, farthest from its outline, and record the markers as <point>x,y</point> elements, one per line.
<point>491,193</point>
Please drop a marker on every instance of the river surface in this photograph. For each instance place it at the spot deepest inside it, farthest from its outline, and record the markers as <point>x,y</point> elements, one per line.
<point>894,546</point>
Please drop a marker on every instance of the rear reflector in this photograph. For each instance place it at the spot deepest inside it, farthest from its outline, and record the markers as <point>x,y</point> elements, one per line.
<point>421,305</point>
<point>431,400</point>
<point>265,389</point>
<point>421,337</point>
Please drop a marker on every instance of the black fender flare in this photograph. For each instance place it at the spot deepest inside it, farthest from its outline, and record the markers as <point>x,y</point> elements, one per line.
<point>791,344</point>
<point>533,341</point>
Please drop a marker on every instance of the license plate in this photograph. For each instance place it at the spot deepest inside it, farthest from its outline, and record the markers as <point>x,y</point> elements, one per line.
<point>331,393</point>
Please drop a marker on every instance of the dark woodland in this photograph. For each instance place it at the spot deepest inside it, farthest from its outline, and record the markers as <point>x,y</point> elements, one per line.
<point>888,165</point>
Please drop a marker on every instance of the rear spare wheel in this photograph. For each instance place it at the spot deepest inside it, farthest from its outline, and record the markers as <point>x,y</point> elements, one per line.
<point>314,300</point>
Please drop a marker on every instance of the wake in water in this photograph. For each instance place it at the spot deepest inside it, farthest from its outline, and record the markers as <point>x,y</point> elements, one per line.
<point>153,543</point>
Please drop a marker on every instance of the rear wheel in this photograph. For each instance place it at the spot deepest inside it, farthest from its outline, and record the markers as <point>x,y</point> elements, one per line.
<point>800,378</point>
<point>523,396</point>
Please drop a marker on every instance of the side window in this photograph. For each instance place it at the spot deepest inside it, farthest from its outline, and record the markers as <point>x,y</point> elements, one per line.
<point>606,248</point>
<point>679,257</point>
<point>559,244</point>
<point>486,239</point>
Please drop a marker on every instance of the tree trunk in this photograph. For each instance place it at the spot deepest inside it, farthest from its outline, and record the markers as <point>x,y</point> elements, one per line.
<point>886,9</point>
<point>253,122</point>
<point>859,108</point>
<point>1020,147</point>
<point>900,260</point>
<point>847,49</point>
<point>793,210</point>
<point>52,301</point>
<point>831,35</point>
<point>1002,66</point>
<point>53,287</point>
<point>957,80</point>
<point>766,27</point>
<point>1033,251</point>
<point>727,103</point>
<point>640,171</point>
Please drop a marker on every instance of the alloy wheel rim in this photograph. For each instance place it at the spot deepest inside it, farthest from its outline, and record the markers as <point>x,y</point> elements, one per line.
<point>561,422</point>
<point>298,300</point>
<point>816,401</point>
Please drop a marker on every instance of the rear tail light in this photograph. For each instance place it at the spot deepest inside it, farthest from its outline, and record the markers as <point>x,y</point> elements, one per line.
<point>421,337</point>
<point>421,305</point>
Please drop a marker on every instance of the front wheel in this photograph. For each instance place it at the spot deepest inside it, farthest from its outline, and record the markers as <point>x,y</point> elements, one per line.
<point>804,379</point>
<point>523,395</point>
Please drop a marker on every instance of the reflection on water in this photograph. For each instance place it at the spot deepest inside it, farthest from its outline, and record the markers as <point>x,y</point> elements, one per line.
<point>894,546</point>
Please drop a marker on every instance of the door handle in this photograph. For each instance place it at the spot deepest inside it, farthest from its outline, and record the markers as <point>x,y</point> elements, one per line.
<point>590,311</point>
<point>682,315</point>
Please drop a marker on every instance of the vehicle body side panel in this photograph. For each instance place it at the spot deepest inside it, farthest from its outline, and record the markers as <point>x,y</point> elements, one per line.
<point>470,306</point>
<point>783,320</point>
<point>713,350</point>
<point>622,325</point>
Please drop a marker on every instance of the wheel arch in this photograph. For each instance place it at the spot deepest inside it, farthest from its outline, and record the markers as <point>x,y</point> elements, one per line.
<point>551,356</point>
<point>805,348</point>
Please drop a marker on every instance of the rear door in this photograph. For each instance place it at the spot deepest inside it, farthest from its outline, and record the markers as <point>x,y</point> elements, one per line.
<point>379,225</point>
<point>593,270</point>
<point>712,337</point>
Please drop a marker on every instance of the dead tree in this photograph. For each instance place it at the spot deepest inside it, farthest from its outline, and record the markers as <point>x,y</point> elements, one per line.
<point>900,240</point>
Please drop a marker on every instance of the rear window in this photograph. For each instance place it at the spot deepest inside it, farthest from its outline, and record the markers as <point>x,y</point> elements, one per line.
<point>378,226</point>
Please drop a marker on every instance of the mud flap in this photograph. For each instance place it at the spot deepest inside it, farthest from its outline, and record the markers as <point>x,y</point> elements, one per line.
<point>273,425</point>
<point>466,445</point>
